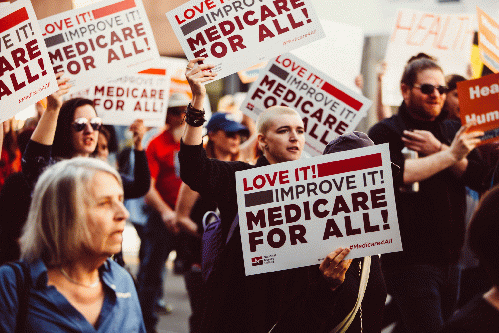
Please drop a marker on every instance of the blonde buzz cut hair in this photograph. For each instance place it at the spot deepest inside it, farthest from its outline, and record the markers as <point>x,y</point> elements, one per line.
<point>56,229</point>
<point>265,118</point>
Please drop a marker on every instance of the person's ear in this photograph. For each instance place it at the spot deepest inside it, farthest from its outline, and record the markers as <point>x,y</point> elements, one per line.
<point>262,141</point>
<point>406,91</point>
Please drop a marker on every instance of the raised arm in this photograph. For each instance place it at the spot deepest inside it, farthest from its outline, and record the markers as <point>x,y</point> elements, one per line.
<point>140,184</point>
<point>45,130</point>
<point>196,74</point>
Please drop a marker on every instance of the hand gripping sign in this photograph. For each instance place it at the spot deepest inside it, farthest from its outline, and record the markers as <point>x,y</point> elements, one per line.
<point>234,35</point>
<point>479,102</point>
<point>448,37</point>
<point>100,42</point>
<point>327,107</point>
<point>143,95</point>
<point>293,214</point>
<point>25,72</point>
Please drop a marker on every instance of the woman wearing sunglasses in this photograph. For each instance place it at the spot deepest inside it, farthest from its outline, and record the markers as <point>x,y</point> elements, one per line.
<point>71,129</point>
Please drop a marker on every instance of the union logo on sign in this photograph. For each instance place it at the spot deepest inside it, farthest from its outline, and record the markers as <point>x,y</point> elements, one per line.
<point>257,261</point>
<point>250,106</point>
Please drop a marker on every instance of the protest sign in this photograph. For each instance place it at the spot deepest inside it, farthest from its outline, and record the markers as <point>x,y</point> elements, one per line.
<point>488,32</point>
<point>293,214</point>
<point>250,74</point>
<point>448,37</point>
<point>479,102</point>
<point>327,107</point>
<point>100,42</point>
<point>344,63</point>
<point>25,72</point>
<point>143,95</point>
<point>238,34</point>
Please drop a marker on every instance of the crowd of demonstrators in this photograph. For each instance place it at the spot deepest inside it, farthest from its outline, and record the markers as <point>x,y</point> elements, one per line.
<point>423,279</point>
<point>66,281</point>
<point>73,204</point>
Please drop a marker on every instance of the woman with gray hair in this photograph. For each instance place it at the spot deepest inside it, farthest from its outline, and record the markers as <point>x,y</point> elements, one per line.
<point>65,281</point>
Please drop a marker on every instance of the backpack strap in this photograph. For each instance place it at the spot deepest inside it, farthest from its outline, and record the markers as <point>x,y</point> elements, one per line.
<point>233,226</point>
<point>23,277</point>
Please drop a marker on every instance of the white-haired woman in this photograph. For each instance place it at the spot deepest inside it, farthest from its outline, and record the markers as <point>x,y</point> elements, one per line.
<point>68,284</point>
<point>235,303</point>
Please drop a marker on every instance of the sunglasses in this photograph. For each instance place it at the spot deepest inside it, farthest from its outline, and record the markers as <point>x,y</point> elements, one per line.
<point>428,89</point>
<point>81,123</point>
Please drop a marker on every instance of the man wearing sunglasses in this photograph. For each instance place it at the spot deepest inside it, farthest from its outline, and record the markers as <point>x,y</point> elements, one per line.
<point>423,278</point>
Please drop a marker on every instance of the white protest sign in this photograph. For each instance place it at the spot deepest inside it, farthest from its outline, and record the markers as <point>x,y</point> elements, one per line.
<point>100,42</point>
<point>339,54</point>
<point>238,34</point>
<point>25,72</point>
<point>293,214</point>
<point>327,107</point>
<point>448,37</point>
<point>143,95</point>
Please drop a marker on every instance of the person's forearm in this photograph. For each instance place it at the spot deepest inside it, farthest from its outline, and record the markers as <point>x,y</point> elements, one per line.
<point>154,200</point>
<point>194,135</point>
<point>459,168</point>
<point>419,169</point>
<point>45,129</point>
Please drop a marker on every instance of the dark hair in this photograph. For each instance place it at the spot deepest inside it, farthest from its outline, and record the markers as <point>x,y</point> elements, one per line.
<point>421,55</point>
<point>413,68</point>
<point>63,143</point>
<point>451,81</point>
<point>483,233</point>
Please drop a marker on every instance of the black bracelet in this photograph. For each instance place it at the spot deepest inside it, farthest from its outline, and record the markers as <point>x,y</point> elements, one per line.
<point>194,117</point>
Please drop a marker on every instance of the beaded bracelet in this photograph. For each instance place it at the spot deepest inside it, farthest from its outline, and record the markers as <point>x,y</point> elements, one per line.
<point>194,117</point>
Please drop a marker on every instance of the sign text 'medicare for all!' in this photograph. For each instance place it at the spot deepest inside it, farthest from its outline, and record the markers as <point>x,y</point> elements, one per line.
<point>328,108</point>
<point>25,72</point>
<point>100,42</point>
<point>234,35</point>
<point>293,214</point>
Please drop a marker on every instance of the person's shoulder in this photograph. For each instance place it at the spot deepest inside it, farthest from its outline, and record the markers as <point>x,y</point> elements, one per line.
<point>476,316</point>
<point>385,130</point>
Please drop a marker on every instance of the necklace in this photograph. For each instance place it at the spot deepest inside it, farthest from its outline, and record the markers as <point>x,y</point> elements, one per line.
<point>93,285</point>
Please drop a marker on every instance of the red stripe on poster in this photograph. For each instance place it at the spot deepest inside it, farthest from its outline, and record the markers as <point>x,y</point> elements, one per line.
<point>13,19</point>
<point>155,71</point>
<point>349,165</point>
<point>114,8</point>
<point>345,98</point>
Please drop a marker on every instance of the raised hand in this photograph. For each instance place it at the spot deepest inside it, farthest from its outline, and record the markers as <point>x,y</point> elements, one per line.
<point>334,268</point>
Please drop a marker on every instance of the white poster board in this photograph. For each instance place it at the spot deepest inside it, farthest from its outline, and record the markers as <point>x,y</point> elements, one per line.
<point>143,95</point>
<point>293,214</point>
<point>238,34</point>
<point>100,42</point>
<point>25,72</point>
<point>339,54</point>
<point>448,37</point>
<point>327,107</point>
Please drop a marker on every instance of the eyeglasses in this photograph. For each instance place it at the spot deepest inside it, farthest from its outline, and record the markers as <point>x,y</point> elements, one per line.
<point>428,89</point>
<point>80,123</point>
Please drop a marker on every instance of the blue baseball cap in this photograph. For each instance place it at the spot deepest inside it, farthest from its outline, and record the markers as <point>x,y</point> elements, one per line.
<point>225,122</point>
